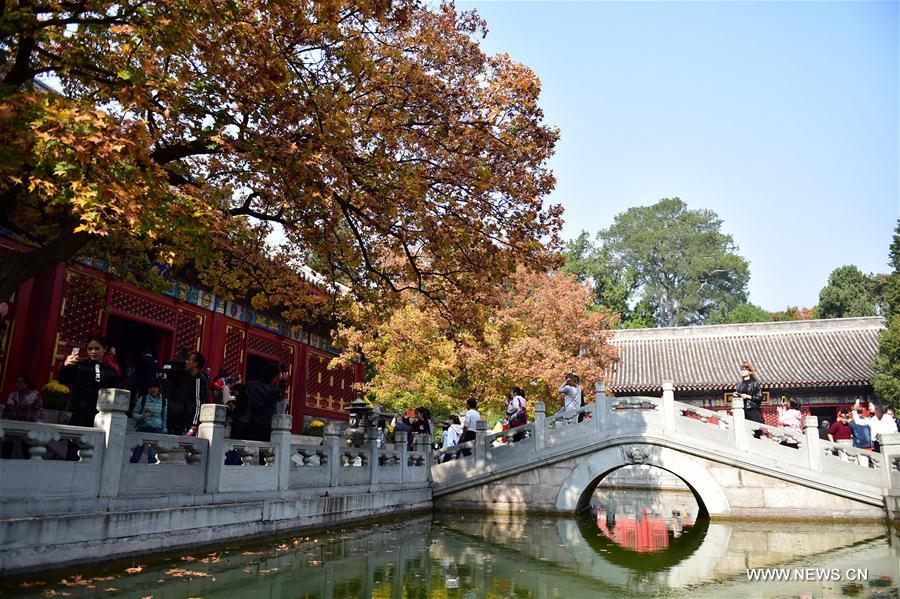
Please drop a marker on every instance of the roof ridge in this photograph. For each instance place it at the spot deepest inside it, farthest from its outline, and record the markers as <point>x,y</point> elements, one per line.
<point>863,323</point>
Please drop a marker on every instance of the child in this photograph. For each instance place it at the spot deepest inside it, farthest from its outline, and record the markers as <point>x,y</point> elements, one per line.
<point>150,417</point>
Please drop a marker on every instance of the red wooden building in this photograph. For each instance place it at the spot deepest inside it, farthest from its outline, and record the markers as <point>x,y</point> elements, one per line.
<point>61,308</point>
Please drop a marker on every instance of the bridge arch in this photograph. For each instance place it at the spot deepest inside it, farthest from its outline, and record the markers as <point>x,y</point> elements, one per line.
<point>575,491</point>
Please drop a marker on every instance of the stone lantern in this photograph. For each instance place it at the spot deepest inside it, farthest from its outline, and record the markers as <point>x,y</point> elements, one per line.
<point>359,419</point>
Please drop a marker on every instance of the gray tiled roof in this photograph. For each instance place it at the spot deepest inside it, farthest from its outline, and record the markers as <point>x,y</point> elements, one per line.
<point>810,353</point>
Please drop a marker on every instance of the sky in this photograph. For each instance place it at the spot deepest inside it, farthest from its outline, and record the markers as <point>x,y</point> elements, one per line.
<point>782,117</point>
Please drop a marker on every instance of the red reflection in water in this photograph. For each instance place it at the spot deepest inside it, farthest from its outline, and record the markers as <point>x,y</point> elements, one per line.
<point>644,534</point>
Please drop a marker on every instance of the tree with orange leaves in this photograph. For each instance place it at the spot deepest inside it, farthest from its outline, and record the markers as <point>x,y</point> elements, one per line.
<point>186,131</point>
<point>539,329</point>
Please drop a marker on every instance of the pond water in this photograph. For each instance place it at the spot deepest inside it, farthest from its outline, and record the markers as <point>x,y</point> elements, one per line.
<point>632,544</point>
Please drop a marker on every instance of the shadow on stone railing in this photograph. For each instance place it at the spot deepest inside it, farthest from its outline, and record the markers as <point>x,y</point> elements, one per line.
<point>109,461</point>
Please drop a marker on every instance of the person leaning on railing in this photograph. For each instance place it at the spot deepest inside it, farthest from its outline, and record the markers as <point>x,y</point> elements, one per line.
<point>878,422</point>
<point>839,432</point>
<point>790,417</point>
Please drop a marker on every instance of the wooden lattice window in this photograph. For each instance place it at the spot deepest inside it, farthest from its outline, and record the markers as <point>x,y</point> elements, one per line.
<point>328,389</point>
<point>267,347</point>
<point>314,379</point>
<point>233,359</point>
<point>81,309</point>
<point>188,331</point>
<point>132,304</point>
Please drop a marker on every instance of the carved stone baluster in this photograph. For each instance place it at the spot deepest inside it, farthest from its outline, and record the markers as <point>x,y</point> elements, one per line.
<point>247,455</point>
<point>85,445</point>
<point>169,452</point>
<point>195,454</point>
<point>267,456</point>
<point>39,439</point>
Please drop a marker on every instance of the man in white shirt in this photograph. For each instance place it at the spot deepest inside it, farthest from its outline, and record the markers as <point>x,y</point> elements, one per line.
<point>878,422</point>
<point>469,423</point>
<point>571,396</point>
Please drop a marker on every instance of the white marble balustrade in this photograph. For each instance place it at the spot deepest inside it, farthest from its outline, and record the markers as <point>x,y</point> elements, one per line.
<point>207,463</point>
<point>664,421</point>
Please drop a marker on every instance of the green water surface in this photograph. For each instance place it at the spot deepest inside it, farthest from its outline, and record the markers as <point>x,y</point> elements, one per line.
<point>634,544</point>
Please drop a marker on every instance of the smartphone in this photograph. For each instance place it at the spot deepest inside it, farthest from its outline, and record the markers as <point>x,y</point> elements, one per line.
<point>75,351</point>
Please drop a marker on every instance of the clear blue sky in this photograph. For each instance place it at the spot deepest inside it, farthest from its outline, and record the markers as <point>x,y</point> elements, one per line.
<point>782,117</point>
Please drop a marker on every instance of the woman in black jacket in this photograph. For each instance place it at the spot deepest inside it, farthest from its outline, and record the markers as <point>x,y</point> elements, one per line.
<point>255,407</point>
<point>751,391</point>
<point>86,378</point>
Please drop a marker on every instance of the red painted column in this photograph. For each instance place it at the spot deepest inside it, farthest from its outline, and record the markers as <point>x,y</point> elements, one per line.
<point>16,362</point>
<point>298,405</point>
<point>214,342</point>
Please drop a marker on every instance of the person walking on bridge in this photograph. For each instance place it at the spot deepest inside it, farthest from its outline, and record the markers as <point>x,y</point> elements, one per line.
<point>515,411</point>
<point>571,396</point>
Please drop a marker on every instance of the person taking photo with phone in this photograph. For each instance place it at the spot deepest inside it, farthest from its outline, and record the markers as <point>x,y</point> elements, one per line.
<point>86,378</point>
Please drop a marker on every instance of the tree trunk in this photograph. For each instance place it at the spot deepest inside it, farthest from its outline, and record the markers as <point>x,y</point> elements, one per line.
<point>17,267</point>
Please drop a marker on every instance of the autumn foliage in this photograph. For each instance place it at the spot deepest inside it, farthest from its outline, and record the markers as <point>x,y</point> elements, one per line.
<point>540,329</point>
<point>377,137</point>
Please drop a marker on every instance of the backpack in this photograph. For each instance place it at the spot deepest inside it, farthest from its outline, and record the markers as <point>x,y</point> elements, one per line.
<point>520,418</point>
<point>139,425</point>
<point>144,402</point>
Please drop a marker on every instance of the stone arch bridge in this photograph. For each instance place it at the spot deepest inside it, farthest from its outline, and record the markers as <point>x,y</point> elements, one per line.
<point>734,467</point>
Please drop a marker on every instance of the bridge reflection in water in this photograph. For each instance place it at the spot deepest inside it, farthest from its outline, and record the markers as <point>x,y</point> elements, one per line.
<point>646,521</point>
<point>469,555</point>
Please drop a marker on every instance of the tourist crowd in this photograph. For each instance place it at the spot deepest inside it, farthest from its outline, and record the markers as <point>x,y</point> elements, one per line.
<point>169,401</point>
<point>166,400</point>
<point>860,427</point>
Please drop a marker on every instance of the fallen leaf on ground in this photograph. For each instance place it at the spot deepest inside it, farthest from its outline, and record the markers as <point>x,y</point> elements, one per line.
<point>252,553</point>
<point>28,585</point>
<point>134,570</point>
<point>182,573</point>
<point>111,590</point>
<point>188,558</point>
<point>269,571</point>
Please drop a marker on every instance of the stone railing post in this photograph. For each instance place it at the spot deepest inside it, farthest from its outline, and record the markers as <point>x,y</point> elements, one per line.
<point>425,446</point>
<point>281,438</point>
<point>741,439</point>
<point>400,447</point>
<point>112,406</point>
<point>540,427</point>
<point>212,428</point>
<point>601,406</point>
<point>668,406</point>
<point>890,450</point>
<point>332,444</point>
<point>481,447</point>
<point>371,445</point>
<point>814,457</point>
